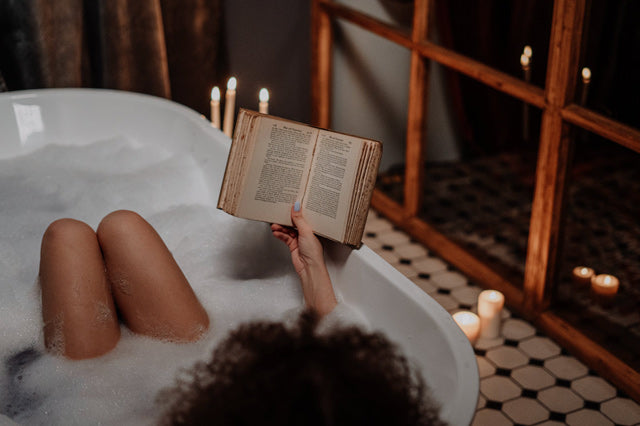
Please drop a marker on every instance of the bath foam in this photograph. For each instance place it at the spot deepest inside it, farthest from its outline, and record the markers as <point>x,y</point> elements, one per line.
<point>237,269</point>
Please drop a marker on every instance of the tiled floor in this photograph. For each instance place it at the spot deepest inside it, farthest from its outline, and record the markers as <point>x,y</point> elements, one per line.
<point>525,377</point>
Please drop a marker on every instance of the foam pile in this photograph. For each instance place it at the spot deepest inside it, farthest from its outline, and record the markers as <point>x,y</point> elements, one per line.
<point>237,269</point>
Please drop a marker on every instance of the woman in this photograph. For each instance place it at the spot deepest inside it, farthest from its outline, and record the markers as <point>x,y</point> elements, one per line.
<point>262,373</point>
<point>88,278</point>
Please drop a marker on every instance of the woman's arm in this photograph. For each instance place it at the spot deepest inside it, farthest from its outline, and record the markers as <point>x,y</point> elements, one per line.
<point>308,260</point>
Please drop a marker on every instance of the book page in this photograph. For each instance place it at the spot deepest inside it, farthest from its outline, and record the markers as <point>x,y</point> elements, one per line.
<point>333,172</point>
<point>278,170</point>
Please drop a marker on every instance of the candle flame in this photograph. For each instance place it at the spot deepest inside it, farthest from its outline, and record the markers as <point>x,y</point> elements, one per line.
<point>215,94</point>
<point>264,95</point>
<point>527,51</point>
<point>607,280</point>
<point>231,84</point>
<point>586,75</point>
<point>524,60</point>
<point>465,318</point>
<point>494,295</point>
<point>584,271</point>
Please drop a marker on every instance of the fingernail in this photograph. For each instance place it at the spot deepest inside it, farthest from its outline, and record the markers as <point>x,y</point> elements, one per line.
<point>296,206</point>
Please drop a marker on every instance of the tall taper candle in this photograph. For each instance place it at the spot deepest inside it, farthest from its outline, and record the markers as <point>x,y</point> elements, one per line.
<point>229,106</point>
<point>525,62</point>
<point>263,105</point>
<point>215,107</point>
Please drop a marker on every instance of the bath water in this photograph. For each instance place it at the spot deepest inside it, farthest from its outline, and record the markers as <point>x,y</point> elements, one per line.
<point>237,269</point>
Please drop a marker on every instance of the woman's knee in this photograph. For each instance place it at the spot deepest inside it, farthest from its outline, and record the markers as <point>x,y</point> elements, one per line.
<point>63,232</point>
<point>119,224</point>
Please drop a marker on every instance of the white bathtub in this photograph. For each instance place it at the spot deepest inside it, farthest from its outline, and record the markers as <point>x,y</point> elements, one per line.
<point>390,302</point>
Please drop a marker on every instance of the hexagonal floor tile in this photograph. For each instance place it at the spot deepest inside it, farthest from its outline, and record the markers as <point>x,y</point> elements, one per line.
<point>485,344</point>
<point>376,224</point>
<point>411,251</point>
<point>499,388</point>
<point>449,280</point>
<point>517,329</point>
<point>466,295</point>
<point>593,388</point>
<point>539,347</point>
<point>622,411</point>
<point>392,237</point>
<point>566,367</point>
<point>533,377</point>
<point>429,265</point>
<point>560,400</point>
<point>587,417</point>
<point>525,411</point>
<point>507,357</point>
<point>485,368</point>
<point>491,417</point>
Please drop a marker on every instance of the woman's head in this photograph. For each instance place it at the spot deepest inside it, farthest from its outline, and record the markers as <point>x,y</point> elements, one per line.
<point>270,374</point>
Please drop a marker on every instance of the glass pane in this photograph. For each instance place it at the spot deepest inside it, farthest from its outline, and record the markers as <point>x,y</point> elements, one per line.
<point>478,180</point>
<point>398,13</point>
<point>611,42</point>
<point>496,34</point>
<point>602,232</point>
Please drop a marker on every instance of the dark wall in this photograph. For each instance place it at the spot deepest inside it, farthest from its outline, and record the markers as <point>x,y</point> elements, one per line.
<point>269,46</point>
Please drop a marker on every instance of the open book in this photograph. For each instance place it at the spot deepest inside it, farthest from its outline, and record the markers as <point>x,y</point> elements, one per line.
<point>275,162</point>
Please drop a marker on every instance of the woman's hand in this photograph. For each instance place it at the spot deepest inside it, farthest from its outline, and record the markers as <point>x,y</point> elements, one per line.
<point>306,250</point>
<point>307,257</point>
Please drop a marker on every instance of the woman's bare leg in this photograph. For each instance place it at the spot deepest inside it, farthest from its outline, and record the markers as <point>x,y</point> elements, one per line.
<point>151,292</point>
<point>80,320</point>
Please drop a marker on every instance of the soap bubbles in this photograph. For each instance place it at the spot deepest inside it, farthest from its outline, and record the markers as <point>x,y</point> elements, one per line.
<point>237,269</point>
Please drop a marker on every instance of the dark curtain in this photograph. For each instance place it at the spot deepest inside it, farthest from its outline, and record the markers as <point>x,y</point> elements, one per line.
<point>168,48</point>
<point>494,32</point>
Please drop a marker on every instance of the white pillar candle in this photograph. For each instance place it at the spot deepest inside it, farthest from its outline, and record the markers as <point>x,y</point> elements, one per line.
<point>604,288</point>
<point>490,303</point>
<point>581,276</point>
<point>469,323</point>
<point>229,106</point>
<point>215,107</point>
<point>263,105</point>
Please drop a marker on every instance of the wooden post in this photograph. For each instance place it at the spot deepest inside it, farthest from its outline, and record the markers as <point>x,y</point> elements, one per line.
<point>321,42</point>
<point>553,156</point>
<point>417,113</point>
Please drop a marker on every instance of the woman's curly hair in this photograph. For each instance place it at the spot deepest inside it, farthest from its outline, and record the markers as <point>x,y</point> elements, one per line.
<point>265,373</point>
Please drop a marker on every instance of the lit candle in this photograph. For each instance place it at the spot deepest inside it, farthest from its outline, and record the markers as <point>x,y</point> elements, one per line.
<point>490,303</point>
<point>215,107</point>
<point>229,106</point>
<point>527,51</point>
<point>581,276</point>
<point>586,80</point>
<point>604,288</point>
<point>469,323</point>
<point>525,61</point>
<point>263,105</point>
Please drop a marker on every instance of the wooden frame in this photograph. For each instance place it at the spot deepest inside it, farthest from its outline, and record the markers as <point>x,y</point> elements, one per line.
<point>558,115</point>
